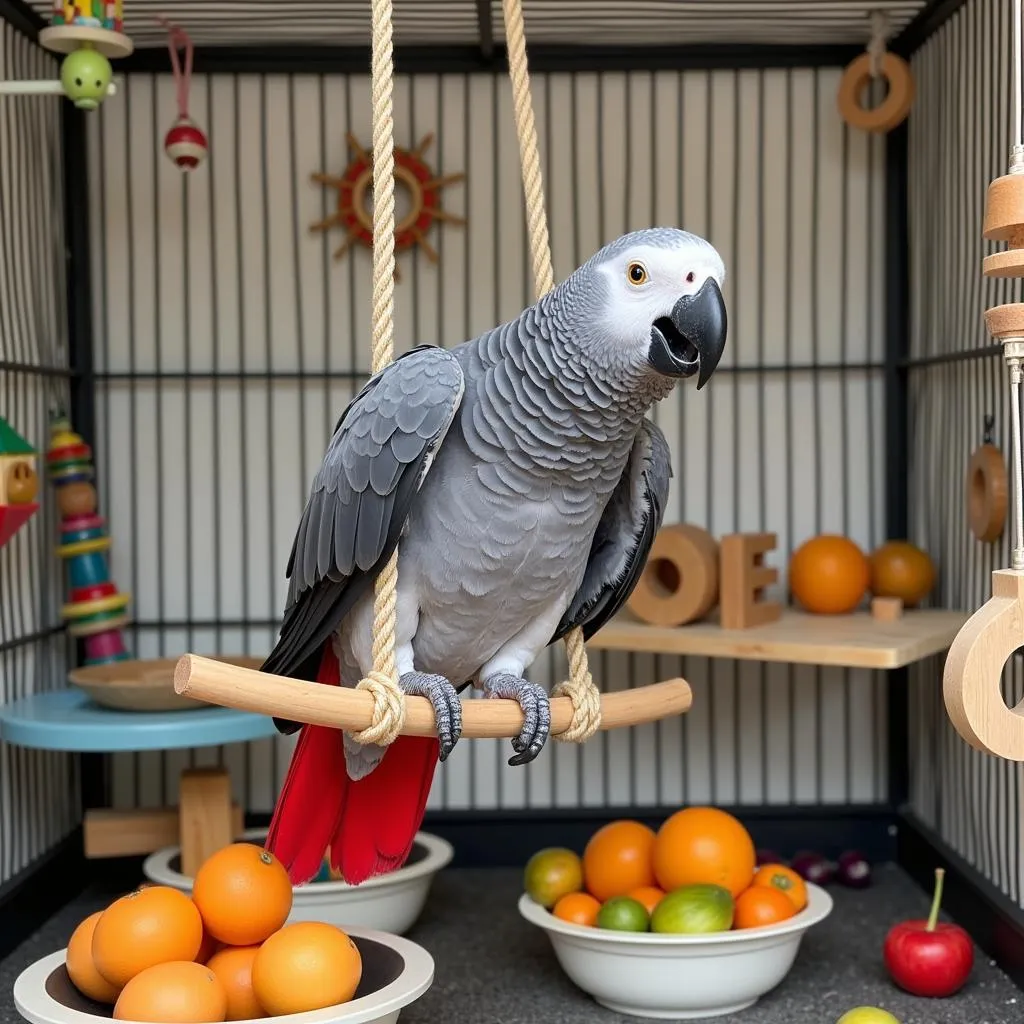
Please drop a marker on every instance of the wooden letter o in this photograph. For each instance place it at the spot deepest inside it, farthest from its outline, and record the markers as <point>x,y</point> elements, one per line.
<point>679,584</point>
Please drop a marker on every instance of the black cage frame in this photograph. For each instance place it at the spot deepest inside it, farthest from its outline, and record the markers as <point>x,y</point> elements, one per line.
<point>883,831</point>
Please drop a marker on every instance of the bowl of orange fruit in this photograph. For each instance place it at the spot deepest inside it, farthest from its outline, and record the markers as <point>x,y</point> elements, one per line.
<point>678,923</point>
<point>224,953</point>
<point>390,902</point>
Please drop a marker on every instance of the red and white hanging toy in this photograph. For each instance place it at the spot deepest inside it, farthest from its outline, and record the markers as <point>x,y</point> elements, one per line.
<point>185,143</point>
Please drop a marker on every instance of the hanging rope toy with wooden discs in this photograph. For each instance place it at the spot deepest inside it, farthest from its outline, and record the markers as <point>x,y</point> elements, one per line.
<point>473,540</point>
<point>972,680</point>
<point>90,34</point>
<point>185,144</point>
<point>419,183</point>
<point>876,63</point>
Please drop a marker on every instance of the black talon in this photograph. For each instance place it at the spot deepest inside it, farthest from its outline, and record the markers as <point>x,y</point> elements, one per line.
<point>444,699</point>
<point>536,714</point>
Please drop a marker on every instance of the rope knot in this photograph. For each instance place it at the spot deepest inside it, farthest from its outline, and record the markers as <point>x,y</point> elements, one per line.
<point>581,691</point>
<point>879,37</point>
<point>388,709</point>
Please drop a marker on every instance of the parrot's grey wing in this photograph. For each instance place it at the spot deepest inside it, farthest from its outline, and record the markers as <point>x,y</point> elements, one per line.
<point>624,535</point>
<point>360,499</point>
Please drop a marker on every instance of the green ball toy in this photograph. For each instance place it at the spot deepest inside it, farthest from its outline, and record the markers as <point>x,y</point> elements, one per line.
<point>85,75</point>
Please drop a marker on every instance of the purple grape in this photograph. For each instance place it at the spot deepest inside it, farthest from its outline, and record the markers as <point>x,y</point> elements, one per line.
<point>854,870</point>
<point>812,867</point>
<point>768,857</point>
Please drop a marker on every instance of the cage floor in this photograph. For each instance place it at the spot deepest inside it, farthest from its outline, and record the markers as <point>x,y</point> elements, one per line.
<point>494,968</point>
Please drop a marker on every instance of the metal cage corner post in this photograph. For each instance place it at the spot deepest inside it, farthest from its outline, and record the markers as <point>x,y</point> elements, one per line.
<point>897,447</point>
<point>81,348</point>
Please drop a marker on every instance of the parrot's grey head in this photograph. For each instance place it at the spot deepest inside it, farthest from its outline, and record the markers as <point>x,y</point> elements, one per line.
<point>660,305</point>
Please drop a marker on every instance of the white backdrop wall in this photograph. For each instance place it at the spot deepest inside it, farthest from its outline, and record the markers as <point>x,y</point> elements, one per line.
<point>959,142</point>
<point>228,342</point>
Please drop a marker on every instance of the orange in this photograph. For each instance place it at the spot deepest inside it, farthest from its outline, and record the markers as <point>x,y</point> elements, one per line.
<point>306,966</point>
<point>207,948</point>
<point>233,967</point>
<point>829,575</point>
<point>618,858</point>
<point>762,905</point>
<point>243,893</point>
<point>177,992</point>
<point>577,908</point>
<point>146,927</point>
<point>81,967</point>
<point>786,880</point>
<point>648,895</point>
<point>703,845</point>
<point>900,569</point>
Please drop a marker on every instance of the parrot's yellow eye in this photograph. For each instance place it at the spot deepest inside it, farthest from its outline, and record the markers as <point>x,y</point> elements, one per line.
<point>636,273</point>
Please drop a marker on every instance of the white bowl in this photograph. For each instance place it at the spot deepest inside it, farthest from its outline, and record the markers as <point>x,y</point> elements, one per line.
<point>396,972</point>
<point>390,903</point>
<point>678,977</point>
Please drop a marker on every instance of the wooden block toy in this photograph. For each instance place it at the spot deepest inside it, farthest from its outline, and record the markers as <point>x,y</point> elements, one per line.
<point>204,808</point>
<point>108,832</point>
<point>743,579</point>
<point>679,584</point>
<point>886,609</point>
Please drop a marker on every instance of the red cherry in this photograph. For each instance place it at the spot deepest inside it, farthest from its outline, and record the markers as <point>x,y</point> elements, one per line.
<point>929,958</point>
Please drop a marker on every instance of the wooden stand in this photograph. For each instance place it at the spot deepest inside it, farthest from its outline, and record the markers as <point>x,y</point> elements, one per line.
<point>972,679</point>
<point>205,820</point>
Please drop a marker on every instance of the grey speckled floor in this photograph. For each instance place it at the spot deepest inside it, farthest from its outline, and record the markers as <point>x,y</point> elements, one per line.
<point>494,968</point>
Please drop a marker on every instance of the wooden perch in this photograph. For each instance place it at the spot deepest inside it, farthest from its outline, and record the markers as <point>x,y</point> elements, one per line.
<point>344,707</point>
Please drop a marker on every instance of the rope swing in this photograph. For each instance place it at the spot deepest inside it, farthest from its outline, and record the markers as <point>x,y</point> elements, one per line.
<point>377,711</point>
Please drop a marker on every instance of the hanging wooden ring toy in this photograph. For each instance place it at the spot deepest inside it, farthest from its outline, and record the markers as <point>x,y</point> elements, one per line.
<point>987,489</point>
<point>876,62</point>
<point>972,678</point>
<point>184,143</point>
<point>375,710</point>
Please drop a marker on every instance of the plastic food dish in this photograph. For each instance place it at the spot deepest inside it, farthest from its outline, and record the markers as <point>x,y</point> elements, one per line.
<point>389,903</point>
<point>678,977</point>
<point>396,972</point>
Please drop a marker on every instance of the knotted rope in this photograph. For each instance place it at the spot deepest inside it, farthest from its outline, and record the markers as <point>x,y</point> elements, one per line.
<point>879,37</point>
<point>382,680</point>
<point>579,687</point>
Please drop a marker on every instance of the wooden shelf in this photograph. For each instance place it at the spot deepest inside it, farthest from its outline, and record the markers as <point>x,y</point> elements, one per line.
<point>849,641</point>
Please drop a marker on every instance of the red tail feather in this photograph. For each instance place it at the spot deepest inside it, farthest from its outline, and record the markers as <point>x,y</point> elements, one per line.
<point>368,825</point>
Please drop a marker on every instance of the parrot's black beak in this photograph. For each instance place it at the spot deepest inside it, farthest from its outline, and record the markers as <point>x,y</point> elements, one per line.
<point>691,340</point>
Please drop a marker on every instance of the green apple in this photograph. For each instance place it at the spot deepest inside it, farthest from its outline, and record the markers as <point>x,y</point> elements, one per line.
<point>867,1015</point>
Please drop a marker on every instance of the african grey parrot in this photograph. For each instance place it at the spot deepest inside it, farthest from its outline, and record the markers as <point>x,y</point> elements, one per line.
<point>524,486</point>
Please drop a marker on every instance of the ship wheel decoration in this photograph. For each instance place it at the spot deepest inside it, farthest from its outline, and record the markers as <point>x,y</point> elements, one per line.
<point>413,177</point>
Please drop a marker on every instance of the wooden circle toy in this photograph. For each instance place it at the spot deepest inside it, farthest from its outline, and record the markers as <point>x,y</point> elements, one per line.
<point>420,184</point>
<point>689,590</point>
<point>876,62</point>
<point>987,489</point>
<point>972,678</point>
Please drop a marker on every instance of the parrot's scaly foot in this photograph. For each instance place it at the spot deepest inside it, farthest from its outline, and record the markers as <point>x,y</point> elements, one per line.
<point>536,711</point>
<point>445,701</point>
